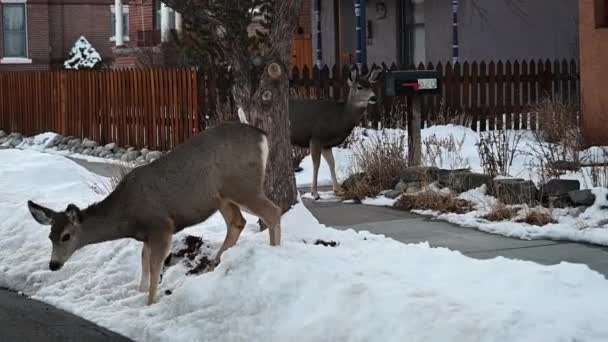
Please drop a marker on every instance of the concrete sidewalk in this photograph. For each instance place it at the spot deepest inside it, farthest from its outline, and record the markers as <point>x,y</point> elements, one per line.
<point>410,228</point>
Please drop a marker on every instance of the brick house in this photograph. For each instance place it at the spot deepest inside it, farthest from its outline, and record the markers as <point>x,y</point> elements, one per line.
<point>38,34</point>
<point>594,70</point>
<point>147,24</point>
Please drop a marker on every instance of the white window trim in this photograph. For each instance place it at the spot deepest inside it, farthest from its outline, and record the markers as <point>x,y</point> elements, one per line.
<point>25,59</point>
<point>125,10</point>
<point>15,60</point>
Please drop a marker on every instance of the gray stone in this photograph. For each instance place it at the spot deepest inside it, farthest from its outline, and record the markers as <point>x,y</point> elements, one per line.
<point>89,143</point>
<point>2,133</point>
<point>393,193</point>
<point>153,155</point>
<point>87,151</point>
<point>582,197</point>
<point>121,150</point>
<point>55,141</point>
<point>348,183</point>
<point>103,154</point>
<point>3,140</point>
<point>110,147</point>
<point>426,174</point>
<point>15,141</point>
<point>144,151</point>
<point>409,187</point>
<point>130,148</point>
<point>79,149</point>
<point>62,147</point>
<point>465,181</point>
<point>559,187</point>
<point>131,155</point>
<point>140,159</point>
<point>65,140</point>
<point>98,149</point>
<point>515,191</point>
<point>15,135</point>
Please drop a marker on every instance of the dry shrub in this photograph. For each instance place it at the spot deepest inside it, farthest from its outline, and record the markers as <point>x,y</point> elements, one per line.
<point>557,120</point>
<point>444,152</point>
<point>105,185</point>
<point>432,200</point>
<point>595,168</point>
<point>500,212</point>
<point>497,149</point>
<point>537,217</point>
<point>447,116</point>
<point>381,157</point>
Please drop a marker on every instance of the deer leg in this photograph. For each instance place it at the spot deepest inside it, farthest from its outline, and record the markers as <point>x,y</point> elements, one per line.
<point>329,158</point>
<point>159,249</point>
<point>145,268</point>
<point>263,208</point>
<point>315,153</point>
<point>234,223</point>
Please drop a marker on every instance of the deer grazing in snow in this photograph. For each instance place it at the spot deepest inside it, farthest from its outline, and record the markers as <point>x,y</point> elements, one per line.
<point>221,169</point>
<point>322,124</point>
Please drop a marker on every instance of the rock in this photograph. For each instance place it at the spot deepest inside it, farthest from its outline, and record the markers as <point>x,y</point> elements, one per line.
<point>2,134</point>
<point>515,191</point>
<point>79,149</point>
<point>426,174</point>
<point>62,147</point>
<point>409,187</point>
<point>559,187</point>
<point>89,143</point>
<point>110,147</point>
<point>98,149</point>
<point>121,150</point>
<point>144,151</point>
<point>582,197</point>
<point>16,135</point>
<point>392,194</point>
<point>153,155</point>
<point>75,142</point>
<point>140,159</point>
<point>349,183</point>
<point>465,181</point>
<point>3,140</point>
<point>132,155</point>
<point>55,141</point>
<point>131,148</point>
<point>65,140</point>
<point>14,141</point>
<point>117,155</point>
<point>87,151</point>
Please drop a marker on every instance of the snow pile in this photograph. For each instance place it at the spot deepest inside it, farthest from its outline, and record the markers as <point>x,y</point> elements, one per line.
<point>368,288</point>
<point>82,56</point>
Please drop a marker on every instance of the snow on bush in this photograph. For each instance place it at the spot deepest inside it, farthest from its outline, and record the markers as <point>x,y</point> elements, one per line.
<point>82,56</point>
<point>367,288</point>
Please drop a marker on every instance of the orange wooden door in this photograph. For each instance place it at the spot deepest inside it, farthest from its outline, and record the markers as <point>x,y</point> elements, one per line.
<point>301,52</point>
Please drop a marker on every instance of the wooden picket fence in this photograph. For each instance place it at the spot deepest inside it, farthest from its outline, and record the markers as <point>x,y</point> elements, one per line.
<point>158,108</point>
<point>162,107</point>
<point>486,96</point>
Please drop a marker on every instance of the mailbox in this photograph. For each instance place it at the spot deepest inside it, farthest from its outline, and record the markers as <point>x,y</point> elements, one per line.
<point>415,82</point>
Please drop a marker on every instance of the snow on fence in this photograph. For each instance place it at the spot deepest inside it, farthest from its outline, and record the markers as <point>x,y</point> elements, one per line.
<point>158,108</point>
<point>490,95</point>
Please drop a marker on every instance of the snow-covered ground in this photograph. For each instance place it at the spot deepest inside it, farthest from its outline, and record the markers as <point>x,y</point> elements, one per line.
<point>369,288</point>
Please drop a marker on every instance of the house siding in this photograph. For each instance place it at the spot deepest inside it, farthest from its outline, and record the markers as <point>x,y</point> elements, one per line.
<point>594,73</point>
<point>53,27</point>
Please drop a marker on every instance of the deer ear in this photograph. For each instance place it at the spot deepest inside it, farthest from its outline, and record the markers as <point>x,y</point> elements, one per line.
<point>41,214</point>
<point>354,74</point>
<point>374,75</point>
<point>73,214</point>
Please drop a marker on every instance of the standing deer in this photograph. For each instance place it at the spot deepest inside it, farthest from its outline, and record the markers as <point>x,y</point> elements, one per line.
<point>323,124</point>
<point>222,168</point>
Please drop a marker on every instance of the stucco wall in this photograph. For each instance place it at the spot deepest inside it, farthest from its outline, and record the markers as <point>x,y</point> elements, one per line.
<point>594,73</point>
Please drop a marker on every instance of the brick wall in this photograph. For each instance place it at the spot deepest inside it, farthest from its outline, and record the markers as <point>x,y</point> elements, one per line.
<point>141,18</point>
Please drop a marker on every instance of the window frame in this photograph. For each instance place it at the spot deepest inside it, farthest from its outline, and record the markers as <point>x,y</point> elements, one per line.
<point>16,59</point>
<point>125,12</point>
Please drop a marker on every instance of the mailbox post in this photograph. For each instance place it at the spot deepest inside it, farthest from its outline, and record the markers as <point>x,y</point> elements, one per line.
<point>414,85</point>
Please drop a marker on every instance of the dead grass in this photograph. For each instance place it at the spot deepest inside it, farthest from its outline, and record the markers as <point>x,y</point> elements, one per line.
<point>537,217</point>
<point>381,157</point>
<point>500,212</point>
<point>432,200</point>
<point>557,120</point>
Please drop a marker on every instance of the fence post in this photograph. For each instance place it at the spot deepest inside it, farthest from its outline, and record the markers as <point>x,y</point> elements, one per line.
<point>63,103</point>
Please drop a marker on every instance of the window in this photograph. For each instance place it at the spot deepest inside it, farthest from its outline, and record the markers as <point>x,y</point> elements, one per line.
<point>601,13</point>
<point>13,28</point>
<point>125,22</point>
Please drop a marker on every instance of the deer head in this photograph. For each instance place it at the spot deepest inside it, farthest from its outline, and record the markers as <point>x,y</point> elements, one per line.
<point>361,88</point>
<point>66,231</point>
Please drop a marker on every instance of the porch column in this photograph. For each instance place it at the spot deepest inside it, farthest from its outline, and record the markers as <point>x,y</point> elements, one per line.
<point>164,23</point>
<point>455,53</point>
<point>118,24</point>
<point>361,52</point>
<point>179,23</point>
<point>319,51</point>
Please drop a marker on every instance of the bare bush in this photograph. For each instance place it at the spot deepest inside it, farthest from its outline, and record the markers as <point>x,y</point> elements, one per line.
<point>538,216</point>
<point>500,212</point>
<point>557,120</point>
<point>444,152</point>
<point>381,158</point>
<point>595,167</point>
<point>105,185</point>
<point>497,149</point>
<point>447,116</point>
<point>433,200</point>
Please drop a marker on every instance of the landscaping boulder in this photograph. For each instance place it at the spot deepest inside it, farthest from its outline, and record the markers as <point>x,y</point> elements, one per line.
<point>3,140</point>
<point>555,192</point>
<point>129,156</point>
<point>464,181</point>
<point>2,134</point>
<point>392,194</point>
<point>121,150</point>
<point>16,135</point>
<point>144,151</point>
<point>15,141</point>
<point>153,155</point>
<point>582,197</point>
<point>349,183</point>
<point>55,141</point>
<point>87,151</point>
<point>65,140</point>
<point>140,159</point>
<point>426,174</point>
<point>110,147</point>
<point>515,191</point>
<point>89,143</point>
